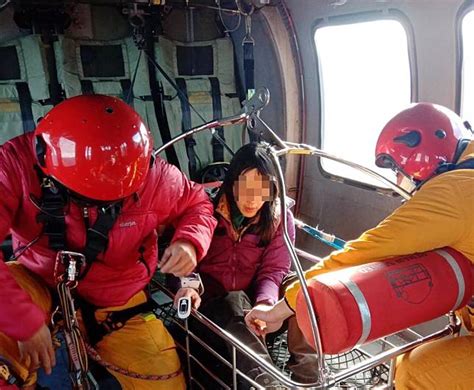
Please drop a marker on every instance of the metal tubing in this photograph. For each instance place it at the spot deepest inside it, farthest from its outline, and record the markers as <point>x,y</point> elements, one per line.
<point>372,361</point>
<point>385,356</point>
<point>231,120</point>
<point>234,368</point>
<point>307,256</point>
<point>299,270</point>
<point>391,373</point>
<point>307,149</point>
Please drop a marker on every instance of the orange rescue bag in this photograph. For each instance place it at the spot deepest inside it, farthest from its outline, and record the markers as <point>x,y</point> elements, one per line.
<point>359,304</point>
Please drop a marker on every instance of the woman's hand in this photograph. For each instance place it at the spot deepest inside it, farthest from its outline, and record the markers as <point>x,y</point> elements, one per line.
<point>188,292</point>
<point>263,319</point>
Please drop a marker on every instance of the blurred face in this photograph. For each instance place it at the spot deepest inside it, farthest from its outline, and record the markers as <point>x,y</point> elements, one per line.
<point>251,191</point>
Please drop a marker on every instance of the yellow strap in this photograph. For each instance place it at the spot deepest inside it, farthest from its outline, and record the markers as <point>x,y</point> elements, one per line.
<point>148,316</point>
<point>5,372</point>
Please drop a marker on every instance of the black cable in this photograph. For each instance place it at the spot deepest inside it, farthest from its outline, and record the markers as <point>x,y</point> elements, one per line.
<point>134,76</point>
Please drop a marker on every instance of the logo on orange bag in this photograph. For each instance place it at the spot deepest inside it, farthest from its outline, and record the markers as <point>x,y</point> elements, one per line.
<point>413,283</point>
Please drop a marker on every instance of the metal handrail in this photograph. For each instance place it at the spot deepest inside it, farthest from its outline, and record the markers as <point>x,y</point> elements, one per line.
<point>332,379</point>
<point>250,114</point>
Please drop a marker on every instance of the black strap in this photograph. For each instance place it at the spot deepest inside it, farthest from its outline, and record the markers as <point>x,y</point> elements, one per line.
<point>447,167</point>
<point>217,148</point>
<point>24,98</point>
<point>127,91</point>
<point>186,125</point>
<point>115,320</point>
<point>157,95</point>
<point>249,69</point>
<point>87,87</point>
<point>97,237</point>
<point>55,90</point>
<point>52,204</point>
<point>249,74</point>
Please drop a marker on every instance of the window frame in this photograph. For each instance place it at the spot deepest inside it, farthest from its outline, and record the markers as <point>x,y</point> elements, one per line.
<point>339,20</point>
<point>464,9</point>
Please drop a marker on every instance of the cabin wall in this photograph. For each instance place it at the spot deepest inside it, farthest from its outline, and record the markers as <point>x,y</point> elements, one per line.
<point>343,209</point>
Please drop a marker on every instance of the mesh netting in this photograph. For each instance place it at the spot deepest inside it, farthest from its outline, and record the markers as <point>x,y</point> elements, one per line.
<point>278,349</point>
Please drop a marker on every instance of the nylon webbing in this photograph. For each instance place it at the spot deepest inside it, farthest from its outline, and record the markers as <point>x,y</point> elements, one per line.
<point>249,69</point>
<point>24,98</point>
<point>55,90</point>
<point>127,91</point>
<point>114,321</point>
<point>160,112</point>
<point>87,87</point>
<point>217,148</point>
<point>51,213</point>
<point>186,125</point>
<point>97,237</point>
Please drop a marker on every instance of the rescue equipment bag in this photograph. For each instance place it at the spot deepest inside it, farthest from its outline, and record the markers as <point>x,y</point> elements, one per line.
<point>359,304</point>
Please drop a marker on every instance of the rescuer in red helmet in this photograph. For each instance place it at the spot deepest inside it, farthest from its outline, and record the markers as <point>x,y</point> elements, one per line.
<point>86,181</point>
<point>428,145</point>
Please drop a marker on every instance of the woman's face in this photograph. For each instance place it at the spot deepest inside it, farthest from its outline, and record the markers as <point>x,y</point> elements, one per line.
<point>251,191</point>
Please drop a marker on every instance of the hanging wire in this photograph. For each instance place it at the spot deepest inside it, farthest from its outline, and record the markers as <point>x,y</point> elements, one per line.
<point>221,17</point>
<point>134,76</point>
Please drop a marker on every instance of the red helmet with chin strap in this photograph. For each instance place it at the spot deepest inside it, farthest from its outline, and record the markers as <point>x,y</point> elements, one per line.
<point>419,139</point>
<point>97,146</point>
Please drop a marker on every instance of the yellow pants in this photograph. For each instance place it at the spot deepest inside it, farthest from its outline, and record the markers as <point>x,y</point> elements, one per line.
<point>143,345</point>
<point>446,364</point>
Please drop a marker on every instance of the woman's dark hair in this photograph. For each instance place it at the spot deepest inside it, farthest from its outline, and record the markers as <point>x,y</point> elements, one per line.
<point>250,156</point>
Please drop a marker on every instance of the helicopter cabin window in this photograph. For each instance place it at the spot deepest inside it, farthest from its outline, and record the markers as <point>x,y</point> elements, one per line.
<point>467,102</point>
<point>364,74</point>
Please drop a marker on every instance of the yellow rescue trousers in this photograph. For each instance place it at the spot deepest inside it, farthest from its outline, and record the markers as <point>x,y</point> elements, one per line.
<point>446,364</point>
<point>143,345</point>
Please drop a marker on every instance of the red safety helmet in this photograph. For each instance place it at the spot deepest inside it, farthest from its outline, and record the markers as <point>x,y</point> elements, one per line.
<point>419,139</point>
<point>97,146</point>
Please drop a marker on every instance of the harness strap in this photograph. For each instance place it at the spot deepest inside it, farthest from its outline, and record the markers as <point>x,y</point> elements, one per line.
<point>87,87</point>
<point>25,101</point>
<point>115,320</point>
<point>53,202</point>
<point>186,125</point>
<point>55,89</point>
<point>97,237</point>
<point>447,167</point>
<point>127,91</point>
<point>51,213</point>
<point>157,97</point>
<point>217,148</point>
<point>8,374</point>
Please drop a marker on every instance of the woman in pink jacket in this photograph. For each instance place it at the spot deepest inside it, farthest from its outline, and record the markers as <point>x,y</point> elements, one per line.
<point>247,259</point>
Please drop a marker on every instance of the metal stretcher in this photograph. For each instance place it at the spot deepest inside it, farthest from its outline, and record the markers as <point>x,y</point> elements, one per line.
<point>370,366</point>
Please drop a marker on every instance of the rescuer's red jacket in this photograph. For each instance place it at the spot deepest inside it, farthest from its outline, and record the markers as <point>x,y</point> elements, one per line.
<point>166,198</point>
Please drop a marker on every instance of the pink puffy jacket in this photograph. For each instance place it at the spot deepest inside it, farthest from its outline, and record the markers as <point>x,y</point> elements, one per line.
<point>166,198</point>
<point>240,263</point>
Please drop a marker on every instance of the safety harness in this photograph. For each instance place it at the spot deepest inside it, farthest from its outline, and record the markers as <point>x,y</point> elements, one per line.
<point>52,205</point>
<point>70,268</point>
